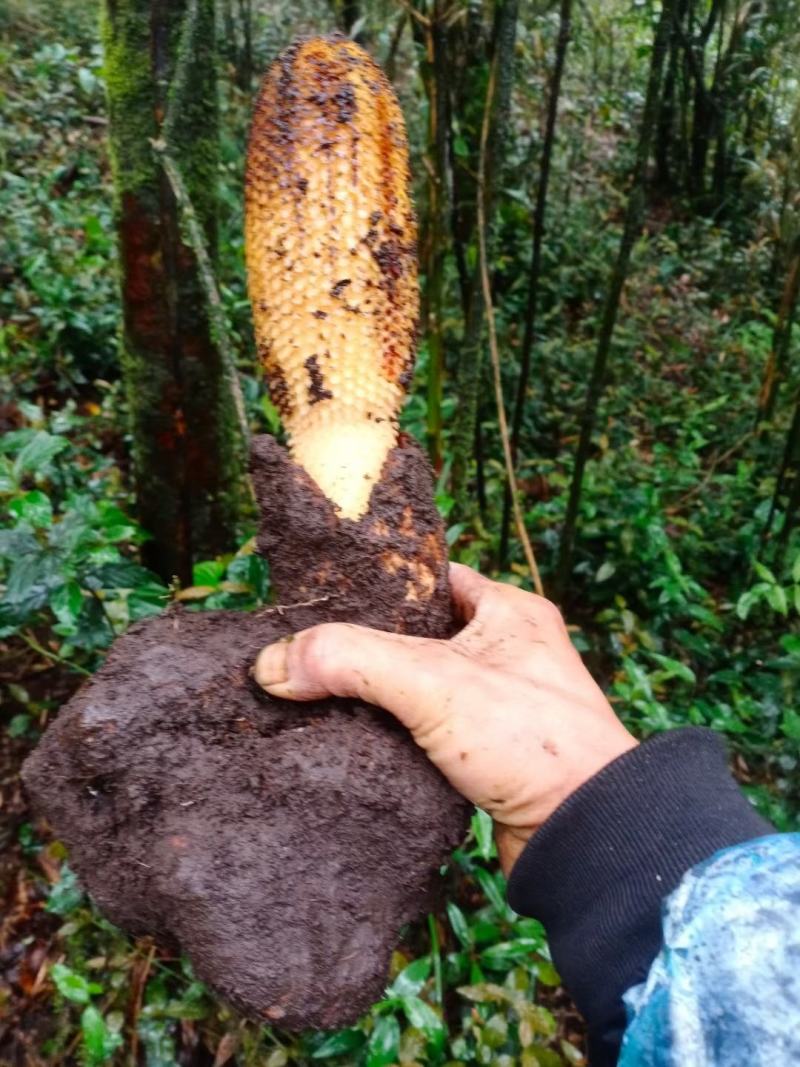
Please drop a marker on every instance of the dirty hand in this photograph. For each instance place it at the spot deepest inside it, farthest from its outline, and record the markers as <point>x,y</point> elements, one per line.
<point>505,709</point>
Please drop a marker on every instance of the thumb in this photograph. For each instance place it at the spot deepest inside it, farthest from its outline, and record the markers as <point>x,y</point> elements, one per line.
<point>405,675</point>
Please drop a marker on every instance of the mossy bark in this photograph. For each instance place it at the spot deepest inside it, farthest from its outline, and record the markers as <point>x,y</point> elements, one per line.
<point>186,452</point>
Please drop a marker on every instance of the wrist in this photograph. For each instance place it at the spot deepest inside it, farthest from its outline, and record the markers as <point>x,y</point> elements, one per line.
<point>512,839</point>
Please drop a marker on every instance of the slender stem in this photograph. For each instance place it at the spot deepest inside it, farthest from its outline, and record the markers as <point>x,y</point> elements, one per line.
<point>436,960</point>
<point>789,453</point>
<point>634,214</point>
<point>534,273</point>
<point>495,118</point>
<point>34,644</point>
<point>493,350</point>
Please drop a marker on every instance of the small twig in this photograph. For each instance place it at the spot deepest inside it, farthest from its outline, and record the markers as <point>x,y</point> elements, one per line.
<point>34,644</point>
<point>135,1005</point>
<point>493,350</point>
<point>436,959</point>
<point>423,20</point>
<point>281,608</point>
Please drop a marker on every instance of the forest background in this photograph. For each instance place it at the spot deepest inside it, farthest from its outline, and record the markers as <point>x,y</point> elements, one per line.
<point>623,180</point>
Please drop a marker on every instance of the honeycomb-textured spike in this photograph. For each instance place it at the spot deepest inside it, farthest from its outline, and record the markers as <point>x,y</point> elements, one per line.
<point>331,260</point>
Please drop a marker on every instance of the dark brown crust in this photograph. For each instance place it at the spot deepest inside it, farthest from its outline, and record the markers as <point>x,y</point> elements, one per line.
<point>388,570</point>
<point>281,846</point>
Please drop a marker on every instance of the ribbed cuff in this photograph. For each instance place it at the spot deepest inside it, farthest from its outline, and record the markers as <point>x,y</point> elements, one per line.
<point>598,870</point>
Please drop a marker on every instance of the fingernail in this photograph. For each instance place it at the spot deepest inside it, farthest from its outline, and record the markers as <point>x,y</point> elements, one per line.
<point>272,665</point>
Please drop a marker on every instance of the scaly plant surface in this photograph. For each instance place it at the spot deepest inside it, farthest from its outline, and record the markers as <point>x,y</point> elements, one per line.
<point>331,259</point>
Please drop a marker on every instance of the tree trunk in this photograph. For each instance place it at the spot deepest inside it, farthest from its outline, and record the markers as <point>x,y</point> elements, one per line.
<point>634,214</point>
<point>433,249</point>
<point>529,335</point>
<point>505,29</point>
<point>788,460</point>
<point>244,65</point>
<point>778,358</point>
<point>186,448</point>
<point>469,53</point>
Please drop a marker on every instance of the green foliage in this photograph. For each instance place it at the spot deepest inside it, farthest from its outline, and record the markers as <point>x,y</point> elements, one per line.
<point>67,549</point>
<point>57,311</point>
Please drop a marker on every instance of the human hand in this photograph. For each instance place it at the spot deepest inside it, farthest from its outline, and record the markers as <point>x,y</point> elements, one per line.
<point>505,709</point>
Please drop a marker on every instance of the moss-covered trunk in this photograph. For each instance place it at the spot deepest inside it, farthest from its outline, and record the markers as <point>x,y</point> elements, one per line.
<point>185,448</point>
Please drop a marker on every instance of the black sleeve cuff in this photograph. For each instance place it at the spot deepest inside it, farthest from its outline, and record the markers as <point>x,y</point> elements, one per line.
<point>596,872</point>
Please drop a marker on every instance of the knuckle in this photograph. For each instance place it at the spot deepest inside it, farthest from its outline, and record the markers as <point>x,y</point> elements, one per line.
<point>320,650</point>
<point>546,612</point>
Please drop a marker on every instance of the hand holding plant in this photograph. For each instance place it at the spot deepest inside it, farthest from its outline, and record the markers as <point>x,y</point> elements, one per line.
<point>505,709</point>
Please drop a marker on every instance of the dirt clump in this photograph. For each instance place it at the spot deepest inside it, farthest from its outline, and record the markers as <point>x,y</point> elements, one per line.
<point>281,846</point>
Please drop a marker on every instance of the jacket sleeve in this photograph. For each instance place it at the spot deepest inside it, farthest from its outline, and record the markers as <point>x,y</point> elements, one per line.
<point>725,988</point>
<point>597,872</point>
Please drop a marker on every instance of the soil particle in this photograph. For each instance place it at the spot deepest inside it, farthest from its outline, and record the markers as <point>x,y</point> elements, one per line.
<point>280,846</point>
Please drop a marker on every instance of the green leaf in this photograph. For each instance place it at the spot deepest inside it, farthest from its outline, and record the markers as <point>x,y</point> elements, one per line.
<point>796,568</point>
<point>777,600</point>
<point>147,600</point>
<point>605,571</point>
<point>764,573</point>
<point>384,1042</point>
<point>483,829</point>
<point>20,541</point>
<point>423,1018</point>
<point>547,974</point>
<point>92,630</point>
<point>71,985</point>
<point>38,453</point>
<point>490,884</point>
<point>543,1057</point>
<point>458,922</point>
<point>86,79</point>
<point>120,574</point>
<point>121,532</point>
<point>790,724</point>
<point>66,895</point>
<point>748,600</point>
<point>29,580</point>
<point>674,668</point>
<point>339,1044</point>
<point>412,978</point>
<point>34,508</point>
<point>486,993</point>
<point>209,572</point>
<point>500,956</point>
<point>66,602</point>
<point>99,1042</point>
<point>494,1032</point>
<point>271,415</point>
<point>18,726</point>
<point>460,147</point>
